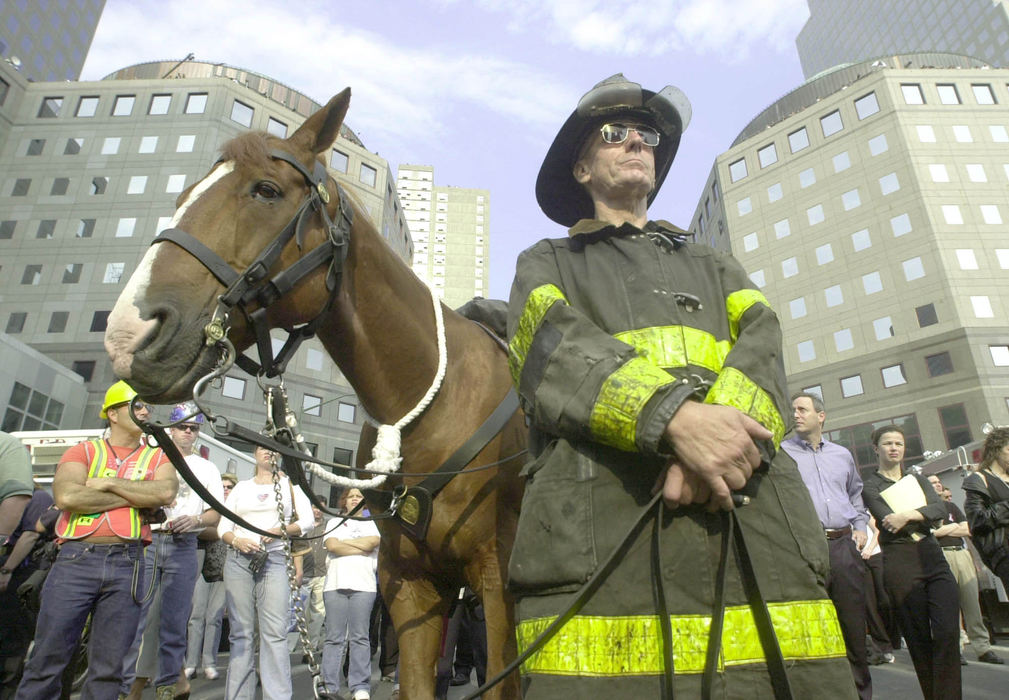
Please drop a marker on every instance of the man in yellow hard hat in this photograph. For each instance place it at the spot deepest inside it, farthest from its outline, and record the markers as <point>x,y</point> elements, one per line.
<point>101,485</point>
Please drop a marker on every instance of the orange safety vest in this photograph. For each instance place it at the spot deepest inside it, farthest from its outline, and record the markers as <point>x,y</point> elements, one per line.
<point>124,521</point>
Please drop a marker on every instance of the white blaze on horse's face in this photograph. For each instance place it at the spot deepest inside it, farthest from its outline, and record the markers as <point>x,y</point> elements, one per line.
<point>125,326</point>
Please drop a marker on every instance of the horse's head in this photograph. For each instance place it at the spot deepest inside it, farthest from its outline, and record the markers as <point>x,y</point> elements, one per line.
<point>256,192</point>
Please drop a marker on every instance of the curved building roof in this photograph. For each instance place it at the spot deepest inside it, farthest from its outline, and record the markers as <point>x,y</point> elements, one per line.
<point>830,81</point>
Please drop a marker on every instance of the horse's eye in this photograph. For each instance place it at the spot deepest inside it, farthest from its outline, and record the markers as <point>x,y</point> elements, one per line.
<point>265,190</point>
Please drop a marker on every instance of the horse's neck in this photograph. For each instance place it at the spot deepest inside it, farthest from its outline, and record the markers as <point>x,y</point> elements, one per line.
<point>381,331</point>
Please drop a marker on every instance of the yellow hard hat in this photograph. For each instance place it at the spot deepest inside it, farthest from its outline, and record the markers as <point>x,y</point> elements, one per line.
<point>117,394</point>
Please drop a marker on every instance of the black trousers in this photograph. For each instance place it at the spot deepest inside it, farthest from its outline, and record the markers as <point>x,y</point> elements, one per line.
<point>846,588</point>
<point>927,603</point>
<point>879,612</point>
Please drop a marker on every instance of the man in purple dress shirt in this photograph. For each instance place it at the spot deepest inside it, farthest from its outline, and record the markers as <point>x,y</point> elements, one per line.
<point>835,486</point>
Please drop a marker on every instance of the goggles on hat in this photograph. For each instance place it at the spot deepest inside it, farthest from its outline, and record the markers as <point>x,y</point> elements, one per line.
<point>618,133</point>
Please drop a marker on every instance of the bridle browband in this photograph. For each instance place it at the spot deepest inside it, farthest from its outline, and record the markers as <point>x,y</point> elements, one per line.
<point>253,287</point>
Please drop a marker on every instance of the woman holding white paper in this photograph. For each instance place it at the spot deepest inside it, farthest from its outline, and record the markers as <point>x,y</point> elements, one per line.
<point>915,572</point>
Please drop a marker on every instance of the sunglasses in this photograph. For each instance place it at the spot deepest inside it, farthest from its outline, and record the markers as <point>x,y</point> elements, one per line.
<point>618,133</point>
<point>188,428</point>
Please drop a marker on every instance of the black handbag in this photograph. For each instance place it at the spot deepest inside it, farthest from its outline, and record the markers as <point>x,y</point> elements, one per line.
<point>257,561</point>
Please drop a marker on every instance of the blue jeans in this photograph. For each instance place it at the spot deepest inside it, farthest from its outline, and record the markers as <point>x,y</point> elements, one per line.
<point>205,621</point>
<point>348,617</point>
<point>86,578</point>
<point>160,641</point>
<point>266,597</point>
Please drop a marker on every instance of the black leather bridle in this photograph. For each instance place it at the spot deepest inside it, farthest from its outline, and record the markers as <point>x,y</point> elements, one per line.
<point>253,287</point>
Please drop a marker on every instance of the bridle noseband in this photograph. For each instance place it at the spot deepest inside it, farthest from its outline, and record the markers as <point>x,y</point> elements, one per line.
<point>253,287</point>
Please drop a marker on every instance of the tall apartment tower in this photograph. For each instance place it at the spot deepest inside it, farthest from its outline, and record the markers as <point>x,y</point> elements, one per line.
<point>870,205</point>
<point>90,172</point>
<point>48,40</point>
<point>849,31</point>
<point>449,226</point>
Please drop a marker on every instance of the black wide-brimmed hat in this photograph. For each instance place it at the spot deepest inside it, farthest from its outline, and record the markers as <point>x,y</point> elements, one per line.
<point>560,196</point>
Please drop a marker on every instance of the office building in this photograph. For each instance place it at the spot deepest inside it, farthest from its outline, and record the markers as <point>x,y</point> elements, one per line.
<point>839,32</point>
<point>870,206</point>
<point>91,172</point>
<point>48,40</point>
<point>450,229</point>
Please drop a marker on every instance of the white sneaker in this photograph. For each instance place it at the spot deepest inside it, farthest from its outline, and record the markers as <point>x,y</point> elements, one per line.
<point>361,694</point>
<point>189,671</point>
<point>211,673</point>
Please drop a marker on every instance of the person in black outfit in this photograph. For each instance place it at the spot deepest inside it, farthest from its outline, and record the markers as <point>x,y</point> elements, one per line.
<point>987,503</point>
<point>915,571</point>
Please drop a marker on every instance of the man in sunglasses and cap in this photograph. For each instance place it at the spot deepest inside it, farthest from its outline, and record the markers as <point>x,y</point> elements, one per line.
<point>646,363</point>
<point>102,487</point>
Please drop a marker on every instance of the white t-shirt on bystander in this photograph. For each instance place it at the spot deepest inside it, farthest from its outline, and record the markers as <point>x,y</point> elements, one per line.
<point>355,572</point>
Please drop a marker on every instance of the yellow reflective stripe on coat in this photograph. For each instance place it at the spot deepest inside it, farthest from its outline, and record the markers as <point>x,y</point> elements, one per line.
<point>614,417</point>
<point>733,388</point>
<point>678,346</point>
<point>738,303</point>
<point>538,303</point>
<point>598,646</point>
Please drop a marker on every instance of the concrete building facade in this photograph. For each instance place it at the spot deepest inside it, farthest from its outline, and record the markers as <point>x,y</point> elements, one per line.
<point>849,31</point>
<point>90,172</point>
<point>871,206</point>
<point>450,228</point>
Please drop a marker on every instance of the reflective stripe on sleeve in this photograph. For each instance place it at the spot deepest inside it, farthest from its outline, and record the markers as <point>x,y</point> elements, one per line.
<point>678,346</point>
<point>738,303</point>
<point>537,304</point>
<point>614,418</point>
<point>733,388</point>
<point>597,646</point>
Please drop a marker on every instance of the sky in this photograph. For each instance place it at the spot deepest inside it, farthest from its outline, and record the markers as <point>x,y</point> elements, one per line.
<point>478,88</point>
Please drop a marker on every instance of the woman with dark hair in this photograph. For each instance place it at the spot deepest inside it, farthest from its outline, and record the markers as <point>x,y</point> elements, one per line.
<point>987,503</point>
<point>915,572</point>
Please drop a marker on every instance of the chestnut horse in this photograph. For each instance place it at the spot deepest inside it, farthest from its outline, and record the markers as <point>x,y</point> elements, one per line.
<point>379,328</point>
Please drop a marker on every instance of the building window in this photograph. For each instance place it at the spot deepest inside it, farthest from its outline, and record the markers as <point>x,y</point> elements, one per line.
<point>338,160</point>
<point>990,214</point>
<point>866,106</point>
<point>137,184</point>
<point>961,132</point>
<point>176,183</point>
<point>35,147</point>
<point>46,228</point>
<point>900,225</point>
<point>938,172</point>
<point>883,328</point>
<point>233,388</point>
<point>73,146</point>
<point>806,178</point>
<point>32,275</point>
<point>815,214</point>
<point>99,321</point>
<point>241,113</point>
<point>850,200</point>
<point>806,350</point>
<point>1001,254</point>
<point>368,174</point>
<point>311,405</point>
<point>893,376</point>
<point>113,272</point>
<point>948,94</point>
<point>50,107</point>
<point>123,106</point>
<point>966,259</point>
<point>196,103</point>
<point>85,368</point>
<point>913,269</point>
<point>57,322</point>
<point>872,283</point>
<point>951,214</point>
<point>767,155</point>
<point>912,94</point>
<point>976,173</point>
<point>841,162</point>
<point>982,307</point>
<point>737,170</point>
<point>85,228</point>
<point>7,229</point>
<point>160,104</point>
<point>797,307</point>
<point>833,296</point>
<point>926,134</point>
<point>346,412</point>
<point>926,315</point>
<point>983,93</point>
<point>999,355</point>
<point>125,227</point>
<point>750,242</point>
<point>87,107</point>
<point>954,425</point>
<point>185,143</point>
<point>878,144</point>
<point>758,278</point>
<point>851,386</point>
<point>313,359</point>
<point>843,340</point>
<point>798,139</point>
<point>824,254</point>
<point>16,322</point>
<point>831,123</point>
<point>939,364</point>
<point>860,240</point>
<point>744,206</point>
<point>782,229</point>
<point>148,144</point>
<point>889,184</point>
<point>60,185</point>
<point>789,267</point>
<point>72,273</point>
<point>276,127</point>
<point>110,146</point>
<point>21,185</point>
<point>998,133</point>
<point>774,192</point>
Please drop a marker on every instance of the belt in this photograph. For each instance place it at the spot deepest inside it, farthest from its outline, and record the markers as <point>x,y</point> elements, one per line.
<point>953,548</point>
<point>837,534</point>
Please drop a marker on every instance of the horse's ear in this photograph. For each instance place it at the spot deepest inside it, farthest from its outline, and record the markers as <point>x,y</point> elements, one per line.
<point>321,129</point>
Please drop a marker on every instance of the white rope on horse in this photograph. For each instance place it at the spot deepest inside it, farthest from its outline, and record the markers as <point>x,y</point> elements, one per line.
<point>385,455</point>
